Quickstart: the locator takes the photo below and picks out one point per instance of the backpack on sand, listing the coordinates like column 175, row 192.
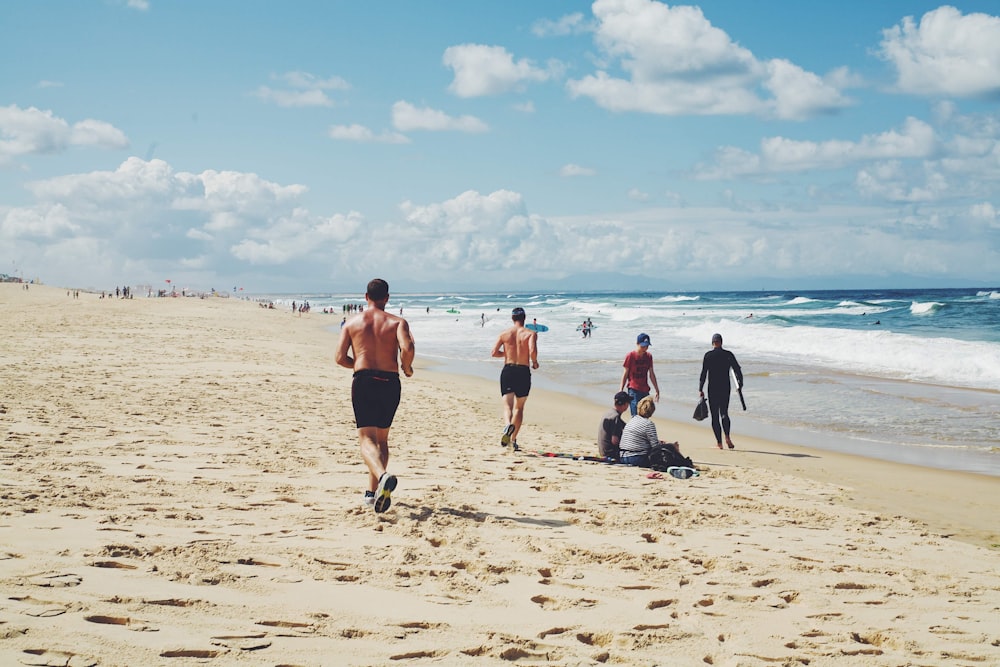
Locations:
column 662, row 457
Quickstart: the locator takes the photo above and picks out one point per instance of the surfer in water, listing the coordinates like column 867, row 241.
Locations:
column 518, row 347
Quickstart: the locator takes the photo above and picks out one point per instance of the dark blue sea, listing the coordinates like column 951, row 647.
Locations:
column 904, row 375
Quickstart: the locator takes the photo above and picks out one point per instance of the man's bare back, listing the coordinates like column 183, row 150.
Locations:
column 375, row 337
column 518, row 345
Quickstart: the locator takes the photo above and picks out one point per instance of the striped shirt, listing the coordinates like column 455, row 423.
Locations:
column 638, row 437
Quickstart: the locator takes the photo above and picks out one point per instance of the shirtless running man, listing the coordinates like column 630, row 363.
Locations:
column 375, row 337
column 517, row 346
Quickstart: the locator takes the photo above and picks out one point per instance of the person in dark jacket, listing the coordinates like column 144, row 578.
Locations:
column 715, row 368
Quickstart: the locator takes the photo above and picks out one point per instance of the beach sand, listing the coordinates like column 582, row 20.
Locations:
column 181, row 484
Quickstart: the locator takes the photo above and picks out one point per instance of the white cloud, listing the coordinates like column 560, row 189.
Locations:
column 144, row 221
column 571, row 170
column 917, row 139
column 33, row 131
column 302, row 90
column 947, row 53
column 677, row 62
column 986, row 212
column 524, row 107
column 44, row 83
column 293, row 98
column 635, row 194
column 488, row 70
column 307, row 81
column 406, row 118
column 570, row 24
column 362, row 134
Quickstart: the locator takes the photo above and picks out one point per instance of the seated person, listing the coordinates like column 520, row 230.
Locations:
column 639, row 436
column 609, row 433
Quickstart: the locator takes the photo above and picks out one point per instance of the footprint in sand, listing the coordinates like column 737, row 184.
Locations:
column 43, row 657
column 43, row 608
column 252, row 642
column 130, row 623
column 55, row 580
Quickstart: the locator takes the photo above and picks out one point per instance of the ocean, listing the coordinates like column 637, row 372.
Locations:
column 910, row 376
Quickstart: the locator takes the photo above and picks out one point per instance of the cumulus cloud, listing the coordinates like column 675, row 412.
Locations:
column 676, row 62
column 570, row 24
column 916, row 139
column 482, row 70
column 33, row 131
column 407, row 118
column 145, row 221
column 570, row 170
column 363, row 134
column 301, row 89
column 947, row 53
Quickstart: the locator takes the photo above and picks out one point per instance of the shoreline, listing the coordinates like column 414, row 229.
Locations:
column 182, row 480
column 951, row 503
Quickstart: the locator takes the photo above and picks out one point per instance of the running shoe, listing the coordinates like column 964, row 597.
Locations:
column 507, row 432
column 369, row 499
column 386, row 485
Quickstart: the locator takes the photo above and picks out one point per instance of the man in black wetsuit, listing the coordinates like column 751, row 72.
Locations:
column 715, row 367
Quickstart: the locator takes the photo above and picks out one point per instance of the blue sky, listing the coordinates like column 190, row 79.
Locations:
column 310, row 146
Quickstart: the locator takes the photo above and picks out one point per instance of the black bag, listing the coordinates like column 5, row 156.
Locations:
column 663, row 456
column 701, row 411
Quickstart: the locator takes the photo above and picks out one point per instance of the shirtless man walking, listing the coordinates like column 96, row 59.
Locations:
column 376, row 337
column 518, row 347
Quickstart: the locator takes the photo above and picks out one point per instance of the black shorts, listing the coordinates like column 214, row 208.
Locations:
column 375, row 395
column 515, row 379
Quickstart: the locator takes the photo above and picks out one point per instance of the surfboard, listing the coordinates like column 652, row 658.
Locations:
column 453, row 311
column 592, row 326
column 536, row 327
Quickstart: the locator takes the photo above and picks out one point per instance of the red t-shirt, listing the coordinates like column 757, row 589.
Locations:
column 638, row 370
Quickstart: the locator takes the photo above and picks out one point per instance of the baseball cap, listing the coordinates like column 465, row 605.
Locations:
column 716, row 338
column 643, row 339
column 622, row 398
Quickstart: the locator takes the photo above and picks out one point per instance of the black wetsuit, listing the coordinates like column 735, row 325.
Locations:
column 715, row 367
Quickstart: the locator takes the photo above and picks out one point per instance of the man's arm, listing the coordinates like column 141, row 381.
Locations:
column 737, row 370
column 407, row 349
column 498, row 347
column 652, row 381
column 342, row 357
column 704, row 374
column 533, row 349
column 624, row 381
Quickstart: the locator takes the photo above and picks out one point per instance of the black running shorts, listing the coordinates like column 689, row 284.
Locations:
column 375, row 395
column 515, row 379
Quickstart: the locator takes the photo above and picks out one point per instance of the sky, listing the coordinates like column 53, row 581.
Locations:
column 495, row 146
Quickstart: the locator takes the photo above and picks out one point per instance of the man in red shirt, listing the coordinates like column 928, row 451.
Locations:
column 638, row 373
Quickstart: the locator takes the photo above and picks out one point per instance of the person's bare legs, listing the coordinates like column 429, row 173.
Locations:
column 374, row 452
column 517, row 415
column 508, row 407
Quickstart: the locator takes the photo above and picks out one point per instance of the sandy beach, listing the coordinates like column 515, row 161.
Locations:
column 181, row 485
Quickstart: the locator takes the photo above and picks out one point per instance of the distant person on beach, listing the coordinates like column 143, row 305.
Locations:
column 376, row 337
column 715, row 367
column 639, row 436
column 609, row 433
column 638, row 373
column 517, row 346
